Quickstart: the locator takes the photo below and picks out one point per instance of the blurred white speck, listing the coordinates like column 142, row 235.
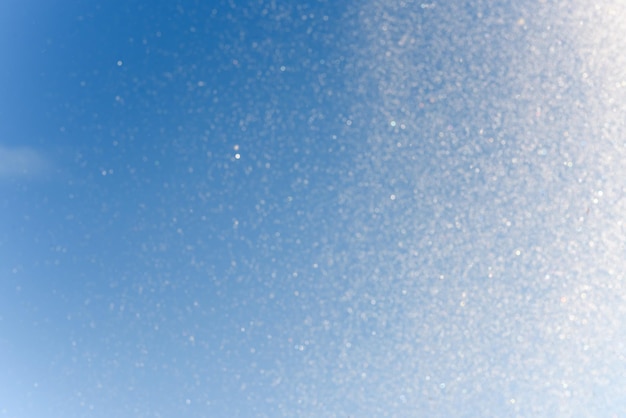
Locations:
column 120, row 63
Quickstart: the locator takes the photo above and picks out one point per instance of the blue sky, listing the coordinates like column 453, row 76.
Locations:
column 322, row 209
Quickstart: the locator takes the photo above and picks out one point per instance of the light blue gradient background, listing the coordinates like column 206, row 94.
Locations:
column 312, row 209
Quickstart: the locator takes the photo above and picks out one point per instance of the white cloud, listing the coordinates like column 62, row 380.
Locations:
column 21, row 162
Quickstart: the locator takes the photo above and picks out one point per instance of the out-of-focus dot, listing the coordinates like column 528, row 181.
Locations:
column 392, row 123
column 392, row 197
column 120, row 63
column 237, row 156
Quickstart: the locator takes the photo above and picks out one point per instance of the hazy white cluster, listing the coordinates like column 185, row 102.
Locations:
column 476, row 267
